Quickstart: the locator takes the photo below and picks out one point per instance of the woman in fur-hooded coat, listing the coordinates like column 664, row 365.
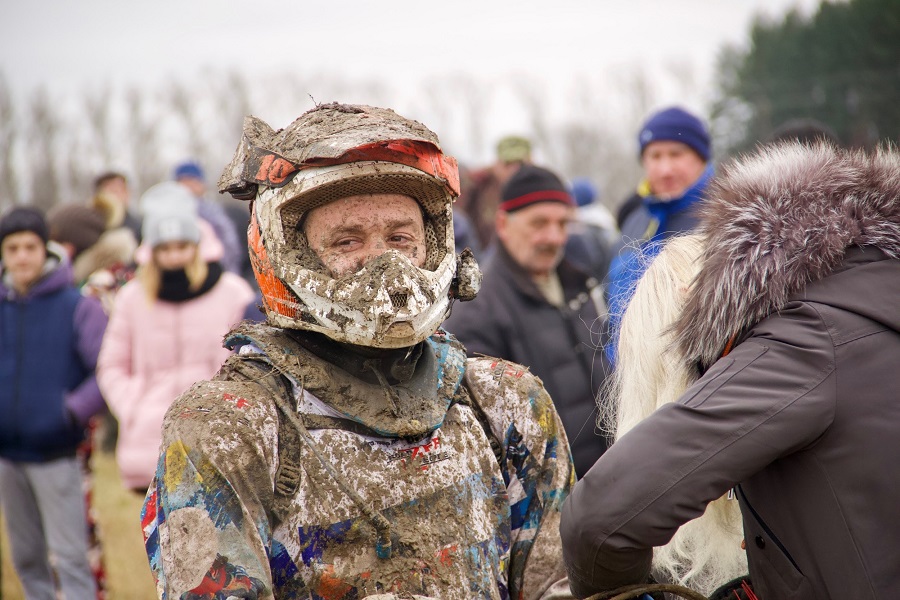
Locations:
column 794, row 324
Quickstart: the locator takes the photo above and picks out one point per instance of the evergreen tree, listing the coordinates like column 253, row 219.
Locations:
column 841, row 67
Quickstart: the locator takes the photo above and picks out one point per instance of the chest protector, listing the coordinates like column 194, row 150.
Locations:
column 341, row 441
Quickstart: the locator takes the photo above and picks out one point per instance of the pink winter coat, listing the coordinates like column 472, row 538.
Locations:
column 151, row 353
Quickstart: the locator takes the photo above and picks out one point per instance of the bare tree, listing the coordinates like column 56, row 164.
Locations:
column 533, row 96
column 580, row 131
column 233, row 104
column 44, row 150
column 9, row 189
column 144, row 142
column 98, row 106
column 184, row 101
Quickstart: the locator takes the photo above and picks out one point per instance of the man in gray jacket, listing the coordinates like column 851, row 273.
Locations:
column 794, row 324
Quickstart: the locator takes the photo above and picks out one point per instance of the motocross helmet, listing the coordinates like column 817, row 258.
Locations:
column 331, row 152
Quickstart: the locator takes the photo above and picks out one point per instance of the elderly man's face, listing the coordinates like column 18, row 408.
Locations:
column 671, row 168
column 347, row 233
column 535, row 236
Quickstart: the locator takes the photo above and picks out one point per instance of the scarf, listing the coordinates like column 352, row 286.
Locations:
column 175, row 287
column 662, row 210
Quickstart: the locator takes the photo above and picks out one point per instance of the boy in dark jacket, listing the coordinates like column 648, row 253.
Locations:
column 49, row 340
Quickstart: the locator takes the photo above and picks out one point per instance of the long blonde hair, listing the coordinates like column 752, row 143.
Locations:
column 705, row 552
column 150, row 275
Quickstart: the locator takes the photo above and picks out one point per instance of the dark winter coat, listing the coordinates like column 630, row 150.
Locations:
column 802, row 416
column 511, row 319
column 49, row 342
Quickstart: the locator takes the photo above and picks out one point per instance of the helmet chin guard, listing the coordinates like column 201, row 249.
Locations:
column 389, row 302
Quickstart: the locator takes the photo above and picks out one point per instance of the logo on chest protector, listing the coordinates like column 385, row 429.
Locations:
column 420, row 456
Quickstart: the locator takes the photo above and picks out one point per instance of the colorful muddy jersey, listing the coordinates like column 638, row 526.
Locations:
column 420, row 489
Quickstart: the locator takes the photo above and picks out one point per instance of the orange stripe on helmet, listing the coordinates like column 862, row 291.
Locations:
column 275, row 295
column 273, row 170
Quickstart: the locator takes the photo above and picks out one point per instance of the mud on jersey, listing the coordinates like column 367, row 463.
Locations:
column 462, row 524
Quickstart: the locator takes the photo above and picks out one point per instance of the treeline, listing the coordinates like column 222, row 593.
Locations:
column 841, row 66
column 51, row 148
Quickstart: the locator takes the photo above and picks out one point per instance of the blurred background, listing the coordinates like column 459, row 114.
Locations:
column 98, row 84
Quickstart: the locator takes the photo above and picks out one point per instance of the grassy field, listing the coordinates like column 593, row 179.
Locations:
column 118, row 513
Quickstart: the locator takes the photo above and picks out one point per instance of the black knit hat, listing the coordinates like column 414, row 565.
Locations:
column 531, row 184
column 23, row 218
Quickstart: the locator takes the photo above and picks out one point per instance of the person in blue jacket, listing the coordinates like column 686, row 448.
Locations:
column 675, row 153
column 49, row 341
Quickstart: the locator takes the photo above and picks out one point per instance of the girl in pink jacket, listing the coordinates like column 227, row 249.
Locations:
column 167, row 325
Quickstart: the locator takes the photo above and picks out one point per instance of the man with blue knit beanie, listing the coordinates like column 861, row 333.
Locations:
column 675, row 154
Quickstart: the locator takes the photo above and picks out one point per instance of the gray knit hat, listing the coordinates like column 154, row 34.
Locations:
column 170, row 214
column 161, row 228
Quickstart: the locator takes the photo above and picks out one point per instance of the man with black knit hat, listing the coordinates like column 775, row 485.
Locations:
column 538, row 310
column 49, row 341
column 675, row 153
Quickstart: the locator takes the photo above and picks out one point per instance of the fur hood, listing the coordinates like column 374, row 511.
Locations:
column 777, row 220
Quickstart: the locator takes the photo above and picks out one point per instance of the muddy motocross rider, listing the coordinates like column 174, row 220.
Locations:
column 349, row 449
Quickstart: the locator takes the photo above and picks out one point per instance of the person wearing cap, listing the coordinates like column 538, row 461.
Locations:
column 102, row 255
column 350, row 450
column 166, row 326
column 539, row 310
column 50, row 337
column 675, row 153
column 191, row 175
column 481, row 196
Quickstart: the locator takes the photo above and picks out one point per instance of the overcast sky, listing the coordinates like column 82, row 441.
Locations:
column 587, row 47
column 64, row 44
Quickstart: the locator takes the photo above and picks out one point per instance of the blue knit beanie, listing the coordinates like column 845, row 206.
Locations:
column 677, row 125
column 189, row 169
column 583, row 191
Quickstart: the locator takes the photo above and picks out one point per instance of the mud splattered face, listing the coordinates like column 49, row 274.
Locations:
column 536, row 235
column 347, row 233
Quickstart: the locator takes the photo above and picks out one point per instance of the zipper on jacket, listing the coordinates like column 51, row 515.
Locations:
column 769, row 532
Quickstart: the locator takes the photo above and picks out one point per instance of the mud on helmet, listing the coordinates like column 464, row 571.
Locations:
column 332, row 152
